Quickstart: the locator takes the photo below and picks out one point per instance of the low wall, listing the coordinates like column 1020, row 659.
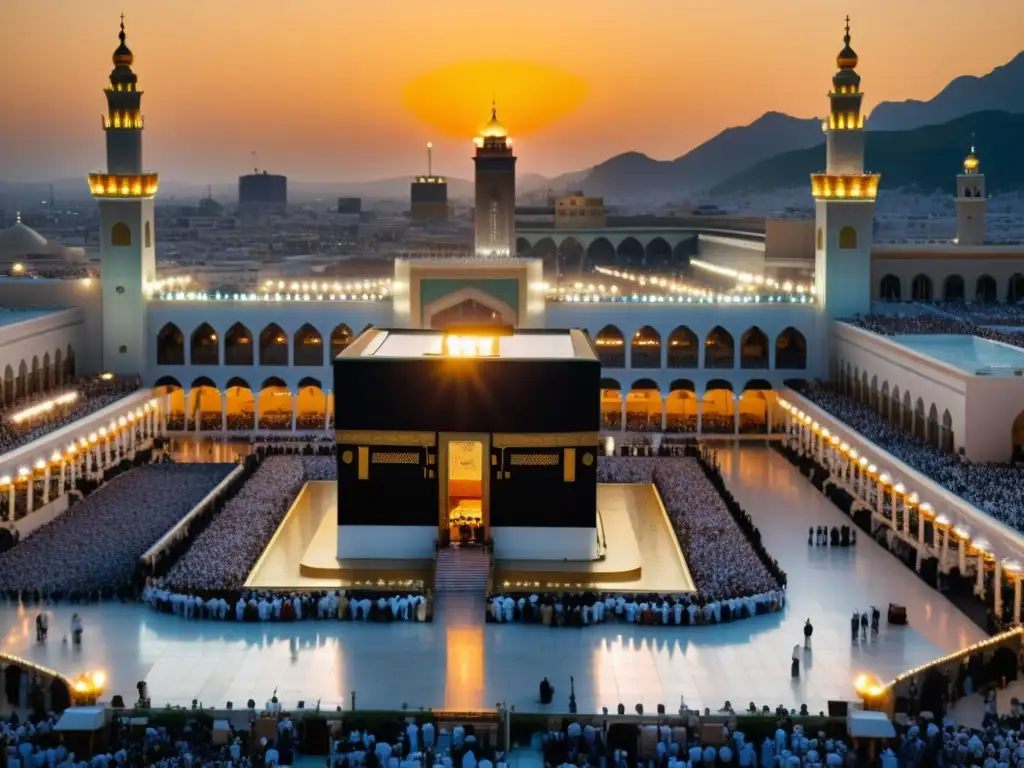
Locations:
column 32, row 522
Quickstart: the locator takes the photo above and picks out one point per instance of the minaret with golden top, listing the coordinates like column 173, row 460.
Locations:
column 970, row 202
column 495, row 182
column 124, row 193
column 844, row 198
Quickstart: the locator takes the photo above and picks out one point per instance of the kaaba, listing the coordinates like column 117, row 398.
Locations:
column 470, row 437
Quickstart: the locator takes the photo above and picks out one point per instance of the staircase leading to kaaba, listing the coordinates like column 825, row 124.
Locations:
column 463, row 570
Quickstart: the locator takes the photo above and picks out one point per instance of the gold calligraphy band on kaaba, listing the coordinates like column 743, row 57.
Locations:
column 548, row 440
column 378, row 437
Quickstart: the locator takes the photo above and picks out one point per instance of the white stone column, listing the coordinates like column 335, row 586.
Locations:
column 73, row 466
column 96, row 456
column 997, row 589
column 256, row 411
column 700, row 415
column 944, row 552
column 63, row 469
column 664, row 413
column 294, row 400
column 327, row 411
column 30, row 493
column 10, row 501
column 961, row 547
column 920, row 538
column 735, row 416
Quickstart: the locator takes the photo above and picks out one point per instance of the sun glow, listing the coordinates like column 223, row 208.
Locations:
column 456, row 99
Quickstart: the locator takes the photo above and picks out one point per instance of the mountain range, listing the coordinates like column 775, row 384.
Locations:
column 923, row 159
column 721, row 162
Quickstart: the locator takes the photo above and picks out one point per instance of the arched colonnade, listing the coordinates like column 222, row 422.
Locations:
column 900, row 407
column 719, row 409
column 40, row 374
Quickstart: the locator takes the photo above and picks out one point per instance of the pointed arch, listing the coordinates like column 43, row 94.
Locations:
column 238, row 346
column 468, row 305
column 610, row 346
column 600, row 253
column 643, row 407
column 629, row 253
column 308, row 347
column 70, row 369
column 790, row 350
column 58, row 367
column 932, row 431
column 611, row 404
column 275, row 403
column 645, row 348
column 683, row 348
column 35, row 378
column 718, row 408
column 47, row 373
column 310, row 405
column 985, row 290
column 890, row 289
column 681, row 407
column 273, row 345
column 921, row 288
column 847, row 238
column 1015, row 288
column 240, row 401
column 946, row 433
column 953, row 288
column 120, row 234
column 341, row 337
column 719, row 349
column 907, row 410
column 8, row 392
column 571, row 257
column 170, row 345
column 204, row 346
column 754, row 349
column 657, row 254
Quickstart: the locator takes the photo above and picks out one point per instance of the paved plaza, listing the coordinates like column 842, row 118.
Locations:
column 458, row 662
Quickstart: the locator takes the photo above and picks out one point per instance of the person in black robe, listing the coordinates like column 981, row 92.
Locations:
column 547, row 691
column 808, row 631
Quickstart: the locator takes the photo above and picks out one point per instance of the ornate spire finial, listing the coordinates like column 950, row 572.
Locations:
column 972, row 142
column 846, row 37
column 494, row 108
column 121, row 34
column 17, row 217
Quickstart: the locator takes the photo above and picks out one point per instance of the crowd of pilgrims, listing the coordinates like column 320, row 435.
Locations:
column 966, row 323
column 733, row 575
column 94, row 547
column 94, row 393
column 264, row 605
column 998, row 489
column 412, row 745
column 223, row 554
column 33, row 742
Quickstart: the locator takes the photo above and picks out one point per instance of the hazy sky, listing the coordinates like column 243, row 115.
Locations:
column 329, row 90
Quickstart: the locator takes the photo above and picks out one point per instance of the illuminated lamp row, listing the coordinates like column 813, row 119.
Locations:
column 121, row 185
column 862, row 186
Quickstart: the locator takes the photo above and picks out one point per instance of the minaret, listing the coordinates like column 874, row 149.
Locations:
column 844, row 199
column 125, row 196
column 970, row 203
column 495, row 191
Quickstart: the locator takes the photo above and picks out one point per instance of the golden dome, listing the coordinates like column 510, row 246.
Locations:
column 123, row 56
column 847, row 58
column 494, row 129
column 971, row 163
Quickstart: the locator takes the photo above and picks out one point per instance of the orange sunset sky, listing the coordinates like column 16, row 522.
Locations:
column 331, row 90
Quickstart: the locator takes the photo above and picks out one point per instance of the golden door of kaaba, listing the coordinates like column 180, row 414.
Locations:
column 464, row 486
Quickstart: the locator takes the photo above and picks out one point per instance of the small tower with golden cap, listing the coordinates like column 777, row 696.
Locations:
column 844, row 198
column 970, row 202
column 495, row 182
column 124, row 193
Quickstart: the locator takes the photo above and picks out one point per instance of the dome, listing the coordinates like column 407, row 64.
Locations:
column 847, row 58
column 971, row 163
column 21, row 240
column 494, row 129
column 123, row 56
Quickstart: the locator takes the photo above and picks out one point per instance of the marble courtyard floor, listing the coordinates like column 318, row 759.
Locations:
column 458, row 662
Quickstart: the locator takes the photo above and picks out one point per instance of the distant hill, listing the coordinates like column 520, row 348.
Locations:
column 1001, row 89
column 634, row 174
column 924, row 159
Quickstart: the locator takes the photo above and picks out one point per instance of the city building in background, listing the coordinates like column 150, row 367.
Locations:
column 262, row 193
column 495, row 196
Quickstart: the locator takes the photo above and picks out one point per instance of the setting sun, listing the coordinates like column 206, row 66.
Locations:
column 455, row 99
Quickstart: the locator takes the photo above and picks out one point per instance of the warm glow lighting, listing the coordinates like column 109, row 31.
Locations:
column 862, row 187
column 107, row 376
column 45, row 407
column 470, row 346
column 120, row 185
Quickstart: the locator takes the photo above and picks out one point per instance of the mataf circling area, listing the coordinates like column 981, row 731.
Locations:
column 458, row 662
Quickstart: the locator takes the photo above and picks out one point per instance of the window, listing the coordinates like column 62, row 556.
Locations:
column 821, row 238
column 847, row 238
column 120, row 234
column 148, row 238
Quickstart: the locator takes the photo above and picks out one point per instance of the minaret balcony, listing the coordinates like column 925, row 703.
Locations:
column 863, row 186
column 120, row 185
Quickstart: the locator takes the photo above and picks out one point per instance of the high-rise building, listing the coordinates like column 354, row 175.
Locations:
column 429, row 194
column 970, row 203
column 844, row 198
column 125, row 194
column 495, row 213
column 352, row 206
column 262, row 193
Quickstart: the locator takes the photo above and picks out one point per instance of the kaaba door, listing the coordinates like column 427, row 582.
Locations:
column 464, row 487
